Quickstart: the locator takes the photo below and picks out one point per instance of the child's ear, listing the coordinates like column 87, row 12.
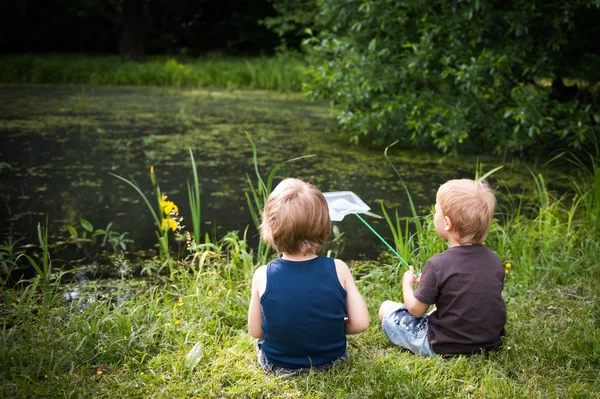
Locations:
column 448, row 226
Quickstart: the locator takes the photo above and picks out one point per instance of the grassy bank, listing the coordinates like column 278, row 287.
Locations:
column 281, row 73
column 131, row 338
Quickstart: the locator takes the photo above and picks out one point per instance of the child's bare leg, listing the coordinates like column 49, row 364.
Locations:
column 385, row 306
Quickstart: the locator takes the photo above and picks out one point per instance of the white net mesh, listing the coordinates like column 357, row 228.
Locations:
column 342, row 203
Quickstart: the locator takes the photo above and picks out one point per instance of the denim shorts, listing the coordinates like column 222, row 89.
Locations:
column 270, row 368
column 406, row 330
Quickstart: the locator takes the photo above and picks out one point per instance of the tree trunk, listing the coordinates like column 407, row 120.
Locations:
column 24, row 31
column 131, row 45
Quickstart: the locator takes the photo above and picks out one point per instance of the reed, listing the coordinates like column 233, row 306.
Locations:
column 280, row 73
column 194, row 199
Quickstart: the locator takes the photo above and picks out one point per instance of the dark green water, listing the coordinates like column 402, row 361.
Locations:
column 59, row 144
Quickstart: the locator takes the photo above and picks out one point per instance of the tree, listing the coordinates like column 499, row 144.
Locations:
column 131, row 45
column 509, row 76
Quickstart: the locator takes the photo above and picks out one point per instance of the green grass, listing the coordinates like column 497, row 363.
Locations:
column 129, row 337
column 281, row 73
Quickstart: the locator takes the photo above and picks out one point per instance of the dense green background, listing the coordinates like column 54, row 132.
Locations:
column 510, row 77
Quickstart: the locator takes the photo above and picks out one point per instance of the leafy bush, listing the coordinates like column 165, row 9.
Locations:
column 507, row 76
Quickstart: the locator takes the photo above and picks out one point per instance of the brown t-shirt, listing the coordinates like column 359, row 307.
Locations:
column 465, row 283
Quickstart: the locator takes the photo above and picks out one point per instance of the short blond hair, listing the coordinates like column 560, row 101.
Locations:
column 470, row 205
column 295, row 218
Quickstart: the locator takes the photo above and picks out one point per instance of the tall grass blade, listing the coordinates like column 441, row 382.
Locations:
column 194, row 199
column 416, row 219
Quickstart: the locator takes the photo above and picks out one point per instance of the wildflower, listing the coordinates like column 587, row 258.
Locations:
column 159, row 314
column 141, row 373
column 522, row 370
column 382, row 279
column 170, row 222
column 168, row 206
column 54, row 309
column 99, row 372
column 506, row 271
column 180, row 302
column 101, row 348
column 508, row 265
column 46, row 377
column 152, row 169
column 176, row 321
column 221, row 286
column 209, row 292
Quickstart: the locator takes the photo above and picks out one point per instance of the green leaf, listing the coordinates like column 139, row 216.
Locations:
column 72, row 231
column 86, row 225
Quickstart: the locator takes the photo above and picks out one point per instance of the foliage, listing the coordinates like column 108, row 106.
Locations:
column 8, row 256
column 508, row 77
column 143, row 337
column 194, row 198
column 168, row 211
column 293, row 20
column 281, row 73
column 146, row 333
column 115, row 239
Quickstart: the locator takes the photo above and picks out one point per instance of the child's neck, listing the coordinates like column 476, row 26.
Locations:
column 454, row 239
column 298, row 257
column 453, row 242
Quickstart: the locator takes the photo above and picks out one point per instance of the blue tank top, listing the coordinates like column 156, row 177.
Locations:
column 303, row 309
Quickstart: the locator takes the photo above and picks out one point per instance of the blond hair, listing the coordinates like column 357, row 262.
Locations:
column 470, row 205
column 295, row 218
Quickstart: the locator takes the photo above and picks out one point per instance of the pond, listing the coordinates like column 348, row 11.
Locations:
column 60, row 144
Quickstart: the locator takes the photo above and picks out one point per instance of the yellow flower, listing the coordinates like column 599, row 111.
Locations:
column 209, row 292
column 159, row 314
column 506, row 271
column 46, row 377
column 522, row 370
column 141, row 373
column 382, row 279
column 101, row 348
column 180, row 302
column 169, row 206
column 176, row 321
column 163, row 197
column 508, row 264
column 151, row 169
column 170, row 222
column 99, row 372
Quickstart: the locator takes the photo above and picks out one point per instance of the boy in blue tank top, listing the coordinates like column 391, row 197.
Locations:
column 302, row 305
column 464, row 282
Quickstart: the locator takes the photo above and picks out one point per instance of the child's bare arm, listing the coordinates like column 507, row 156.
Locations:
column 413, row 305
column 358, row 314
column 254, row 313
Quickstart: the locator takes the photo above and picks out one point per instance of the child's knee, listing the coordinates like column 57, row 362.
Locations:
column 385, row 306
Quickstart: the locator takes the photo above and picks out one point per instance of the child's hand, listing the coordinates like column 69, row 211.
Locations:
column 409, row 277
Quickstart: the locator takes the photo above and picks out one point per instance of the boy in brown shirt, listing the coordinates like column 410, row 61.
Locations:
column 464, row 282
